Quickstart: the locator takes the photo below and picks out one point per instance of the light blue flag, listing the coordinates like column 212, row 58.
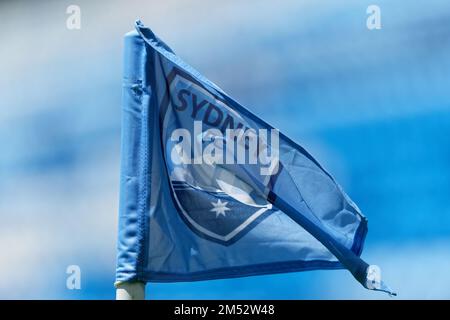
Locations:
column 209, row 190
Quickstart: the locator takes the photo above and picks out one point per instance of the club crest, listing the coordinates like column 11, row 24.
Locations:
column 210, row 158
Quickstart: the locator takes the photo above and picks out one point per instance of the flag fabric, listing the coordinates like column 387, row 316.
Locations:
column 208, row 190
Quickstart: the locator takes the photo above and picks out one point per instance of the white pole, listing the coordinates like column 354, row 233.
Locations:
column 130, row 291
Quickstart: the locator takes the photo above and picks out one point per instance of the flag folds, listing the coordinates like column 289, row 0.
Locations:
column 208, row 190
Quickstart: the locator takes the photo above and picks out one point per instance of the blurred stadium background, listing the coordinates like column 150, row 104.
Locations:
column 372, row 106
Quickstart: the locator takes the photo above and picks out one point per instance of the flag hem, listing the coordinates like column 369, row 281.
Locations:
column 255, row 269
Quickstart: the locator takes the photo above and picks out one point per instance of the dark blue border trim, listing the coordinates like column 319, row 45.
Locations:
column 258, row 269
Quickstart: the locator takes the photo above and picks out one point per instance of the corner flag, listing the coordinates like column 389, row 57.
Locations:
column 208, row 190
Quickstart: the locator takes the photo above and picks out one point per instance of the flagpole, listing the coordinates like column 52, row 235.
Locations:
column 130, row 291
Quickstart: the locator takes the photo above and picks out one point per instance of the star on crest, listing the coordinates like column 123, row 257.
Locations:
column 219, row 208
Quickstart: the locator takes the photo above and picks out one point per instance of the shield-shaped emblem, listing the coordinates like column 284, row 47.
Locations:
column 212, row 199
